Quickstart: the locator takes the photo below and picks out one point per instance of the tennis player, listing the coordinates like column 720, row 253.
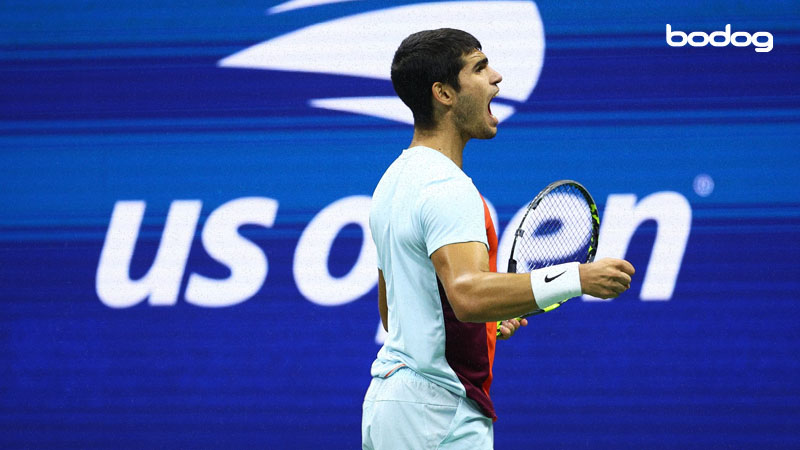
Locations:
column 439, row 294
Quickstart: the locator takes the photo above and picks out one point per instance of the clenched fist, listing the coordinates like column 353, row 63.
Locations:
column 606, row 278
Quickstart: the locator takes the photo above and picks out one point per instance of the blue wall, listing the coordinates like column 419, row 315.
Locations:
column 125, row 105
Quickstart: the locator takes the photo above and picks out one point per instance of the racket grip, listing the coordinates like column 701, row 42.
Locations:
column 500, row 322
column 540, row 311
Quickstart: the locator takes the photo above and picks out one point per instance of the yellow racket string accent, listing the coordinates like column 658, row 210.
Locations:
column 552, row 307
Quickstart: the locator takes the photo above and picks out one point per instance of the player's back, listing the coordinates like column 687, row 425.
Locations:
column 423, row 201
column 397, row 203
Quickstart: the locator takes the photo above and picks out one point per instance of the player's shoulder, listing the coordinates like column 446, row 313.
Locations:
column 422, row 173
column 431, row 167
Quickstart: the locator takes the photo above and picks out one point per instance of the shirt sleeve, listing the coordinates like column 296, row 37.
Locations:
column 451, row 212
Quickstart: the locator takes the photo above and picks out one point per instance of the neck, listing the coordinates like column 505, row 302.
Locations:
column 443, row 140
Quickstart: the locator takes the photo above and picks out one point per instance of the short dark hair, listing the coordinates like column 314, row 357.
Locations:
column 424, row 58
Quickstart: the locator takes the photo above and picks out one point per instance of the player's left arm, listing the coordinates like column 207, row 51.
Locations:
column 383, row 308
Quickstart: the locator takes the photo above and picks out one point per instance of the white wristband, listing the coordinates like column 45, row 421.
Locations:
column 555, row 284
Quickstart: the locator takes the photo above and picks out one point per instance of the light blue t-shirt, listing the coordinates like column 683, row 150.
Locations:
column 423, row 202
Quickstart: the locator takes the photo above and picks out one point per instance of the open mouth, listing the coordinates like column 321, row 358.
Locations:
column 489, row 109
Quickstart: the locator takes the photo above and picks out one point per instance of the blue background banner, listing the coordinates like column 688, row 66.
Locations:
column 185, row 186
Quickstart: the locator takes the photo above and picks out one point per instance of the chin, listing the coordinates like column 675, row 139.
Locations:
column 488, row 133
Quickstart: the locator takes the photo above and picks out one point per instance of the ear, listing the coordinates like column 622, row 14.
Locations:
column 443, row 93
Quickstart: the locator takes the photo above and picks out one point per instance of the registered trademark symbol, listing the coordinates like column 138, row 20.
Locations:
column 703, row 185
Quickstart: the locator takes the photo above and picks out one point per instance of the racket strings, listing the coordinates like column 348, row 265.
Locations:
column 558, row 230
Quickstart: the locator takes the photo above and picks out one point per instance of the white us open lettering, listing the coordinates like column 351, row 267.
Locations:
column 248, row 263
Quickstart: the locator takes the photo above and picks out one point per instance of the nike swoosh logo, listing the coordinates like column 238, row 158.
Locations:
column 548, row 279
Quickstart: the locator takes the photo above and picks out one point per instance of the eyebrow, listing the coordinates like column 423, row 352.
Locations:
column 483, row 62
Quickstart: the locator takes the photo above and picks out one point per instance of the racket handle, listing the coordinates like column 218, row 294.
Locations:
column 540, row 311
column 499, row 322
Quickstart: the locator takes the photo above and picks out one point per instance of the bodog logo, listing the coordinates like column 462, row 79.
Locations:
column 737, row 39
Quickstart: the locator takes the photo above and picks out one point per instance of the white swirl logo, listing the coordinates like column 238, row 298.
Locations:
column 362, row 45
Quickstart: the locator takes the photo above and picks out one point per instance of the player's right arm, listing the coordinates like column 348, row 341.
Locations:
column 477, row 294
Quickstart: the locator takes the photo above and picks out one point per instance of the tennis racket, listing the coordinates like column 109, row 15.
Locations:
column 561, row 225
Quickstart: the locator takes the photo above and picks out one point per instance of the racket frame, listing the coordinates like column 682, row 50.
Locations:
column 512, row 263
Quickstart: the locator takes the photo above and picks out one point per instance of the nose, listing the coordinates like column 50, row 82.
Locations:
column 496, row 77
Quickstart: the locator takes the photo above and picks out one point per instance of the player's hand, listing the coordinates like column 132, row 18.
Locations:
column 508, row 327
column 606, row 278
